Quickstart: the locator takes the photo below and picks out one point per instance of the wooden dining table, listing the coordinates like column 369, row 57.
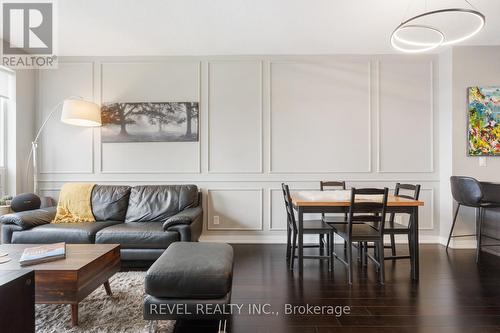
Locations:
column 338, row 201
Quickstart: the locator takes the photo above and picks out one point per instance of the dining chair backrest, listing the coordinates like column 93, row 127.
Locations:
column 331, row 185
column 370, row 208
column 290, row 216
column 410, row 192
column 466, row 191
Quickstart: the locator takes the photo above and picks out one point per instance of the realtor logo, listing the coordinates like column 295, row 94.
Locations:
column 28, row 31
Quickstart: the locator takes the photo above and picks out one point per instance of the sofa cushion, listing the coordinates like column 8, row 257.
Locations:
column 156, row 203
column 190, row 270
column 74, row 233
column 137, row 235
column 109, row 203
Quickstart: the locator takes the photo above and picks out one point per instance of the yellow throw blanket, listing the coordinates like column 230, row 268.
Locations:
column 75, row 204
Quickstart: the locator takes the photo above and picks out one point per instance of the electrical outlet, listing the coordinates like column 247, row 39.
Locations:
column 482, row 161
column 216, row 219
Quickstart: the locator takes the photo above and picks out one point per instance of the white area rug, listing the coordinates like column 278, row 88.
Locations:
column 121, row 312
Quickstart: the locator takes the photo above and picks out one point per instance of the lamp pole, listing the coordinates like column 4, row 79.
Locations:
column 34, row 147
column 76, row 111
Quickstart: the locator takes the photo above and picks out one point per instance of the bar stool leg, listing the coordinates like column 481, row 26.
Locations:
column 478, row 234
column 452, row 227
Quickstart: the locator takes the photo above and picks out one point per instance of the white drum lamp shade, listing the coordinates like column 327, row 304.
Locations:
column 81, row 113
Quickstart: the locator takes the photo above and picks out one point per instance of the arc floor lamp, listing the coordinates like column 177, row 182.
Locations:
column 75, row 111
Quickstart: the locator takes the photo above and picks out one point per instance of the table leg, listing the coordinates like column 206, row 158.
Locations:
column 74, row 314
column 301, row 240
column 108, row 288
column 415, row 266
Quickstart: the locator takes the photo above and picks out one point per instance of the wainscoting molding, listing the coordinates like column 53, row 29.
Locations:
column 211, row 74
column 242, row 211
column 250, row 183
column 198, row 97
column 320, row 169
column 432, row 103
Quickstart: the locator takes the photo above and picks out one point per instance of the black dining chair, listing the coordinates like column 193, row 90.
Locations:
column 316, row 227
column 392, row 228
column 331, row 186
column 365, row 223
column 468, row 192
column 332, row 219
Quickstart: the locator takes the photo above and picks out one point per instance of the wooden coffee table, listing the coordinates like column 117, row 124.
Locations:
column 69, row 280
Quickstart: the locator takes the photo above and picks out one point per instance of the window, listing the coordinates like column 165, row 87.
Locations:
column 6, row 87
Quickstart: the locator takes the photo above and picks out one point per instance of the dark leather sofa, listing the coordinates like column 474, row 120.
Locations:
column 144, row 220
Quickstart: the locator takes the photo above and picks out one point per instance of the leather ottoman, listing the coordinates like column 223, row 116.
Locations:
column 190, row 281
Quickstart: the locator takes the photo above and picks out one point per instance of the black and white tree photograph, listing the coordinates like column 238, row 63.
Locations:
column 150, row 122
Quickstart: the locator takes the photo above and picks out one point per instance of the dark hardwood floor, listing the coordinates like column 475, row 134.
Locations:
column 453, row 294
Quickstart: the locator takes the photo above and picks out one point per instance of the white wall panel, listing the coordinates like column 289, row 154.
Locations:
column 277, row 215
column 405, row 117
column 320, row 117
column 175, row 81
column 65, row 148
column 427, row 212
column 171, row 81
column 237, row 209
column 150, row 157
column 235, row 117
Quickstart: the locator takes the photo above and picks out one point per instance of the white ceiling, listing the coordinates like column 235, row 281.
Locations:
column 229, row 27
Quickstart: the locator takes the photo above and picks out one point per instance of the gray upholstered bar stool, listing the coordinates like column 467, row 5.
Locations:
column 468, row 192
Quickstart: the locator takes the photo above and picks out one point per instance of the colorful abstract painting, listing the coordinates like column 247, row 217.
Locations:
column 484, row 121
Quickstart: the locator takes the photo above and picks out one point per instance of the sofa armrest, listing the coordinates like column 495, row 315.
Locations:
column 188, row 232
column 30, row 218
column 7, row 232
column 185, row 217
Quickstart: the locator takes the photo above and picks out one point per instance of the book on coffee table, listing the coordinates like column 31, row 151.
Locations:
column 44, row 253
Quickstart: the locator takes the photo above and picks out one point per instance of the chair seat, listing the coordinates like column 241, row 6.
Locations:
column 398, row 228
column 360, row 231
column 334, row 219
column 314, row 226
